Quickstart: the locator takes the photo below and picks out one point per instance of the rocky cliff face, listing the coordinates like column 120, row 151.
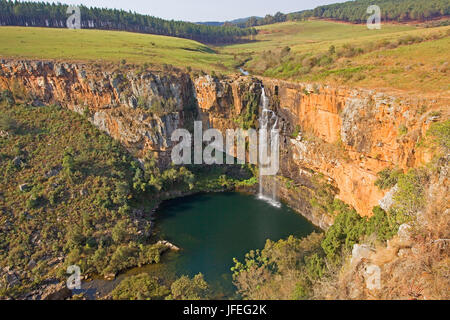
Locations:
column 118, row 102
column 333, row 136
column 350, row 135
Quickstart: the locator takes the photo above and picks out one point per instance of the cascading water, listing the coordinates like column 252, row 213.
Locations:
column 268, row 119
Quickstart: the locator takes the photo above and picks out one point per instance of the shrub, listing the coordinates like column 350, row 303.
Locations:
column 119, row 232
column 402, row 130
column 7, row 123
column 441, row 131
column 388, row 178
column 383, row 225
column 99, row 260
column 7, row 97
column 300, row 292
column 189, row 289
column 34, row 201
column 346, row 231
column 315, row 266
column 140, row 287
column 410, row 196
column 68, row 162
column 332, row 50
column 296, row 132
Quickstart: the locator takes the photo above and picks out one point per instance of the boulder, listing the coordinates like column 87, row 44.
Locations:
column 12, row 279
column 110, row 276
column 56, row 292
column 169, row 245
column 24, row 187
column 53, row 172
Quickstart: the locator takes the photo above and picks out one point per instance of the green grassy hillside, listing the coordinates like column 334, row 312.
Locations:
column 65, row 198
column 108, row 46
column 397, row 56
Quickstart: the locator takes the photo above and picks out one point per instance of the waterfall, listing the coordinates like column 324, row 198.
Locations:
column 267, row 184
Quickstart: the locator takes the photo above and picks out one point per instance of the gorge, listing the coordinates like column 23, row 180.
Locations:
column 345, row 136
column 333, row 141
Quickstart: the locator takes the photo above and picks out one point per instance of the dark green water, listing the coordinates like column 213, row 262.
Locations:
column 212, row 229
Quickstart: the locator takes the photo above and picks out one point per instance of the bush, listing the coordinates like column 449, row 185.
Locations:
column 388, row 178
column 441, row 131
column 68, row 162
column 140, row 287
column 34, row 201
column 296, row 132
column 7, row 123
column 383, row 225
column 402, row 130
column 189, row 289
column 119, row 232
column 264, row 272
column 315, row 266
column 410, row 196
column 7, row 98
column 346, row 231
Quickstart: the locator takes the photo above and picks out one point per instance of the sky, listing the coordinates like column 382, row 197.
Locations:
column 203, row 10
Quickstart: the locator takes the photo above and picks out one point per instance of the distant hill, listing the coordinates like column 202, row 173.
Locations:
column 211, row 23
column 232, row 22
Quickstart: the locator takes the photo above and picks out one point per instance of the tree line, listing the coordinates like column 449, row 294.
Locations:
column 356, row 12
column 42, row 14
column 391, row 10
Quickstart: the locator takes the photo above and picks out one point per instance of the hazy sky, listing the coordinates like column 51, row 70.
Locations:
column 204, row 10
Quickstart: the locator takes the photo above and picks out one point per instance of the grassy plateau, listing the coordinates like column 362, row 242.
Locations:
column 398, row 56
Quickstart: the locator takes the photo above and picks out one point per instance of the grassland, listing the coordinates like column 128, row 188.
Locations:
column 311, row 35
column 109, row 46
column 404, row 57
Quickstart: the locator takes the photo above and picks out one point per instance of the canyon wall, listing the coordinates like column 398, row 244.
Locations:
column 116, row 101
column 350, row 135
column 335, row 136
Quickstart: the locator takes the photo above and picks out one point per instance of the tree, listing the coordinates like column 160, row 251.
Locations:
column 189, row 289
column 140, row 287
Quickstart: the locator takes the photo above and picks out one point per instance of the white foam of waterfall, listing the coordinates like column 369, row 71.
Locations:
column 267, row 184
